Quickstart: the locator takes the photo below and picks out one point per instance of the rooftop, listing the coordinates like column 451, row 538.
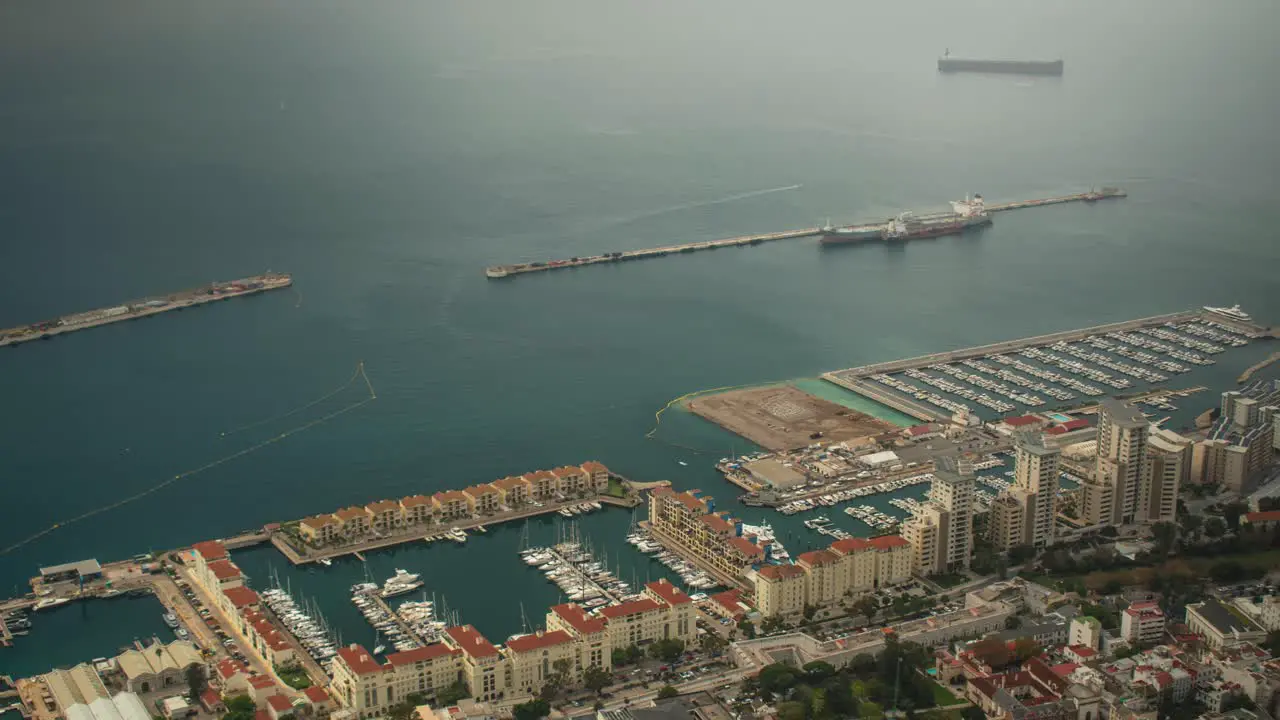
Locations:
column 351, row 513
column 470, row 641
column 224, row 569
column 848, row 546
column 80, row 567
column 818, row 557
column 1222, row 619
column 1022, row 421
column 383, row 506
column 319, row 521
column 888, row 542
column 746, row 547
column 633, row 607
column 669, row 593
column 1264, row 516
column 210, row 550
column 780, row 572
column 359, row 660
column 415, row 500
column 578, row 619
column 592, row 466
column 241, row 596
column 478, row 491
column 316, row 694
column 422, row 654
column 279, row 703
column 1122, row 415
column 567, row 471
column 538, row 641
column 717, row 523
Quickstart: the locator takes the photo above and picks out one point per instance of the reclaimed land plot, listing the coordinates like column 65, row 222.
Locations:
column 781, row 417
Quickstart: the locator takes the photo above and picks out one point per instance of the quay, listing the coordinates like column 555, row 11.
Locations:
column 145, row 307
column 495, row 272
column 583, row 580
column 405, row 627
column 1257, row 367
column 669, row 543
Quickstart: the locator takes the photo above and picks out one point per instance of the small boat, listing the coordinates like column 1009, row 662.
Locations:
column 683, row 463
column 326, row 562
column 171, row 620
column 379, row 650
column 50, row 602
column 182, row 633
column 457, row 535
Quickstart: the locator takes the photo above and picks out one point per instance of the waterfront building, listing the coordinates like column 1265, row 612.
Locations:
column 233, row 676
column 264, row 638
column 212, row 568
column 417, row 510
column 823, row 578
column 686, row 523
column 368, row 688
column 681, row 617
column 1220, row 625
column 483, row 499
column 355, row 521
column 1142, row 622
column 482, row 667
column 320, row 529
column 1027, row 512
column 533, row 658
column 572, row 481
column 1241, row 444
column 158, row 666
column 235, row 600
column 513, row 491
column 941, row 531
column 1168, row 470
column 543, row 483
column 385, row 516
column 598, row 475
column 80, row 685
column 453, row 504
column 1113, row 496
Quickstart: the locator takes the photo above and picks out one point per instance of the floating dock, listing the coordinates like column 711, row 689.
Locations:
column 145, row 307
column 495, row 272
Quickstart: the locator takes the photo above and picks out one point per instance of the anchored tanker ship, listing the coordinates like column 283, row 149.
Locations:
column 971, row 213
column 947, row 63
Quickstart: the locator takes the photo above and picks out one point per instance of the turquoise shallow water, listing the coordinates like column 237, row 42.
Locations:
column 385, row 155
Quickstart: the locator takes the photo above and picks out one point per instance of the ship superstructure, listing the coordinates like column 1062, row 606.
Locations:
column 965, row 214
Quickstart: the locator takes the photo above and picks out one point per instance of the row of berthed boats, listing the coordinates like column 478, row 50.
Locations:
column 405, row 628
column 842, row 496
column 1149, row 354
column 869, row 515
column 580, row 509
column 690, row 574
column 311, row 632
column 577, row 573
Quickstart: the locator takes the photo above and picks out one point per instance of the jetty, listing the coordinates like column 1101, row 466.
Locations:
column 145, row 307
column 495, row 272
column 1256, row 367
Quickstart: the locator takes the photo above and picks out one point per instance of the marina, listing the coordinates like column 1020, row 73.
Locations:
column 495, row 272
column 145, row 307
column 1105, row 359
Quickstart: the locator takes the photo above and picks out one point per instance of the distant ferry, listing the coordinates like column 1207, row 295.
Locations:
column 946, row 63
column 1234, row 312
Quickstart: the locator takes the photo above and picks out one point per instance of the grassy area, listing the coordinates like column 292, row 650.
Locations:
column 295, row 678
column 948, row 580
column 615, row 488
column 1186, row 567
column 943, row 696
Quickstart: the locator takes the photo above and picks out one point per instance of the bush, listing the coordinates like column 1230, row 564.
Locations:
column 667, row 692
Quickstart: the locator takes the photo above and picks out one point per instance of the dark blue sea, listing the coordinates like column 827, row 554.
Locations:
column 385, row 153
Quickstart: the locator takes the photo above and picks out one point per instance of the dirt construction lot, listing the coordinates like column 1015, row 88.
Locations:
column 782, row 417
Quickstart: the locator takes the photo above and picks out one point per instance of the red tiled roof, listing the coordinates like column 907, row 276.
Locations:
column 888, row 542
column 746, row 547
column 1056, row 430
column 261, row 682
column 848, row 546
column 1083, row 651
column 448, row 495
column 229, row 667
column 1064, row 669
column 351, row 513
column 224, row 569
column 567, row 471
column 470, row 641
column 730, row 600
column 415, row 500
column 578, row 618
column 241, row 596
column 279, row 703
column 592, row 466
column 478, row 491
column 662, row 490
column 540, row 474
column 359, row 660
column 316, row 694
column 634, row 607
column 1148, row 608
column 780, row 572
column 508, row 483
column 382, row 506
column 262, row 715
column 319, row 521
column 209, row 698
column 716, row 523
column 669, row 593
column 1022, row 420
column 691, row 501
column 210, row 550
column 537, row 641
column 422, row 654
column 1264, row 516
column 917, row 430
column 1076, row 424
column 818, row 557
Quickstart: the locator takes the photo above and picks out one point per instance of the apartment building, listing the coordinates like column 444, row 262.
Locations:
column 941, row 532
column 369, row 688
column 1142, row 622
column 1168, row 469
column 687, row 523
column 823, row 578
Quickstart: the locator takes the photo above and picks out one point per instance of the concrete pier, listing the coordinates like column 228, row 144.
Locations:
column 495, row 272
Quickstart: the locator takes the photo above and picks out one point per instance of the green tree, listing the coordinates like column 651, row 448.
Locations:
column 838, row 694
column 668, row 650
column 532, row 710
column 1190, row 524
column 792, row 711
column 817, row 671
column 972, row 712
column 772, row 624
column 712, row 643
column 1025, row 648
column 871, row 710
column 619, row 657
column 1165, row 535
column 867, row 606
column 596, row 678
column 748, row 629
column 1215, row 528
column 452, row 694
column 240, row 707
column 196, row 682
column 1231, row 513
column 667, row 691
column 1012, row 622
column 776, row 678
column 402, row 711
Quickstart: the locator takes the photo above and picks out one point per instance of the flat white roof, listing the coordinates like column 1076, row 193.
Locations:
column 880, row 458
column 84, row 567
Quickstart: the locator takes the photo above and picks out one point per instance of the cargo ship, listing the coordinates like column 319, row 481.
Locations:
column 965, row 215
column 946, row 63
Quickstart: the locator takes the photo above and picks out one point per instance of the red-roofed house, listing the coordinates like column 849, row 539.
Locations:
column 320, row 529
column 636, row 622
column 278, row 706
column 417, row 509
column 822, row 582
column 542, row 484
column 681, row 617
column 210, row 550
column 780, row 590
column 453, row 504
column 1064, row 670
column 716, row 524
column 483, row 498
column 318, row 698
column 233, row 677
column 217, row 576
column 210, row 701
column 1142, row 622
column 1010, row 425
column 598, row 473
column 262, row 687
column 571, row 480
column 1076, row 424
column 514, row 491
column 729, row 604
column 355, row 521
column 1080, row 654
column 235, row 599
column 571, row 618
column 385, row 516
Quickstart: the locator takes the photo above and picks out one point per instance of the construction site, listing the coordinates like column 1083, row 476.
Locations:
column 781, row 417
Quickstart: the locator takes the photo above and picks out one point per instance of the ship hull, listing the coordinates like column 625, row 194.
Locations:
column 852, row 238
column 940, row 230
column 1011, row 67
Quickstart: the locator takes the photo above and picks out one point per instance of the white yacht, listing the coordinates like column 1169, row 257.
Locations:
column 457, row 535
column 1234, row 312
